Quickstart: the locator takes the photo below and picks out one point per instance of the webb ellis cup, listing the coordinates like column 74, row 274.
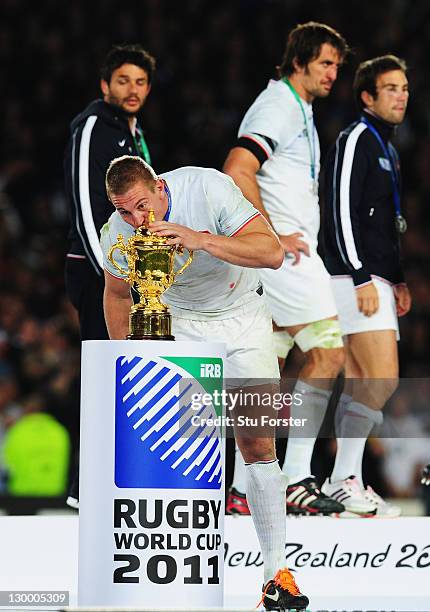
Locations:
column 150, row 271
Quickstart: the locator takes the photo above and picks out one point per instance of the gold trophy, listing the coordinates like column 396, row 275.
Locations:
column 150, row 270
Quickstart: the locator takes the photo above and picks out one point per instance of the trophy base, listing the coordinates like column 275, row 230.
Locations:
column 137, row 337
column 154, row 326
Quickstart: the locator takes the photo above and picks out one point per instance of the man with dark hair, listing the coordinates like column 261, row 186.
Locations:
column 365, row 79
column 304, row 45
column 276, row 164
column 106, row 129
column 128, row 54
column 219, row 299
column 362, row 225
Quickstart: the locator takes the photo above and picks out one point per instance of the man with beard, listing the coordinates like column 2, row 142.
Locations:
column 362, row 228
column 106, row 129
column 275, row 162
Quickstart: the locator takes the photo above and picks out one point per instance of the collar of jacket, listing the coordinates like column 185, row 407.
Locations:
column 385, row 129
column 108, row 112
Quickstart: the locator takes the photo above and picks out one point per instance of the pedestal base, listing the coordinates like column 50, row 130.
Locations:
column 151, row 507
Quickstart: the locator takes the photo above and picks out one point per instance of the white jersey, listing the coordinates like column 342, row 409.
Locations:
column 206, row 201
column 285, row 179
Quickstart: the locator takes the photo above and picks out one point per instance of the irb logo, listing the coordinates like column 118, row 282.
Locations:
column 210, row 370
column 153, row 428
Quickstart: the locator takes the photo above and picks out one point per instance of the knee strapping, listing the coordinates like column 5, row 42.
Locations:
column 320, row 334
column 283, row 343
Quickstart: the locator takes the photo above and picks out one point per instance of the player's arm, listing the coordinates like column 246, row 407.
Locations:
column 86, row 171
column 242, row 164
column 116, row 303
column 253, row 246
column 346, row 176
column 402, row 294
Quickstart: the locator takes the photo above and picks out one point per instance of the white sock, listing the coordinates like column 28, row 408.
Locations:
column 341, row 407
column 239, row 475
column 265, row 491
column 301, row 441
column 355, row 427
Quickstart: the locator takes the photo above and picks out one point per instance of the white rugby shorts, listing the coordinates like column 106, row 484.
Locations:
column 251, row 353
column 351, row 320
column 299, row 294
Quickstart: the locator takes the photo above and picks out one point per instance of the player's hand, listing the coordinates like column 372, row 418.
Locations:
column 294, row 245
column 367, row 299
column 178, row 235
column 403, row 299
column 425, row 476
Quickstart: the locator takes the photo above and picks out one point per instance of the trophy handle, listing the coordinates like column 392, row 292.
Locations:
column 187, row 263
column 122, row 247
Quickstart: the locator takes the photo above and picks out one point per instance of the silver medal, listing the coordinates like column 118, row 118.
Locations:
column 401, row 224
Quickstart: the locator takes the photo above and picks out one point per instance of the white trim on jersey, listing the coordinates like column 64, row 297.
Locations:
column 245, row 223
column 344, row 195
column 123, row 278
column 84, row 189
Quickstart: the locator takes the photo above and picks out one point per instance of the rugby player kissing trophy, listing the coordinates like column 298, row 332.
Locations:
column 150, row 271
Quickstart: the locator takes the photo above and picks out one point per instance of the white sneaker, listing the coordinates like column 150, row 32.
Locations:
column 349, row 493
column 72, row 502
column 383, row 508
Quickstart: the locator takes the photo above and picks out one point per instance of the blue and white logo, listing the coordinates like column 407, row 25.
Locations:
column 385, row 164
column 156, row 444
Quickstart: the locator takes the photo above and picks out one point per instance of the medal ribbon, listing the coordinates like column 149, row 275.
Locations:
column 395, row 179
column 141, row 146
column 308, row 136
column 169, row 200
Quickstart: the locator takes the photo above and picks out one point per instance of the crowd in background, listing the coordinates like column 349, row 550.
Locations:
column 213, row 59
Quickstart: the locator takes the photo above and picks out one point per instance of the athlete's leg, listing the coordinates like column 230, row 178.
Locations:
column 376, row 355
column 321, row 342
column 372, row 367
column 372, row 374
column 265, row 482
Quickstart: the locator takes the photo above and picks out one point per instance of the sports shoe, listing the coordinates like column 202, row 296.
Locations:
column 425, row 476
column 349, row 493
column 306, row 498
column 282, row 593
column 236, row 503
column 72, row 502
column 73, row 498
column 383, row 508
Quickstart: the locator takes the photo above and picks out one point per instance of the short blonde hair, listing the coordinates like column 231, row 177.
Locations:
column 125, row 171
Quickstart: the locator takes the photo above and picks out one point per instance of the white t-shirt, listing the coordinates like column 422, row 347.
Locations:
column 206, row 201
column 285, row 179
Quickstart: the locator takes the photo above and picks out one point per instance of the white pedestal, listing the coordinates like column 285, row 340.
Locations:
column 151, row 522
